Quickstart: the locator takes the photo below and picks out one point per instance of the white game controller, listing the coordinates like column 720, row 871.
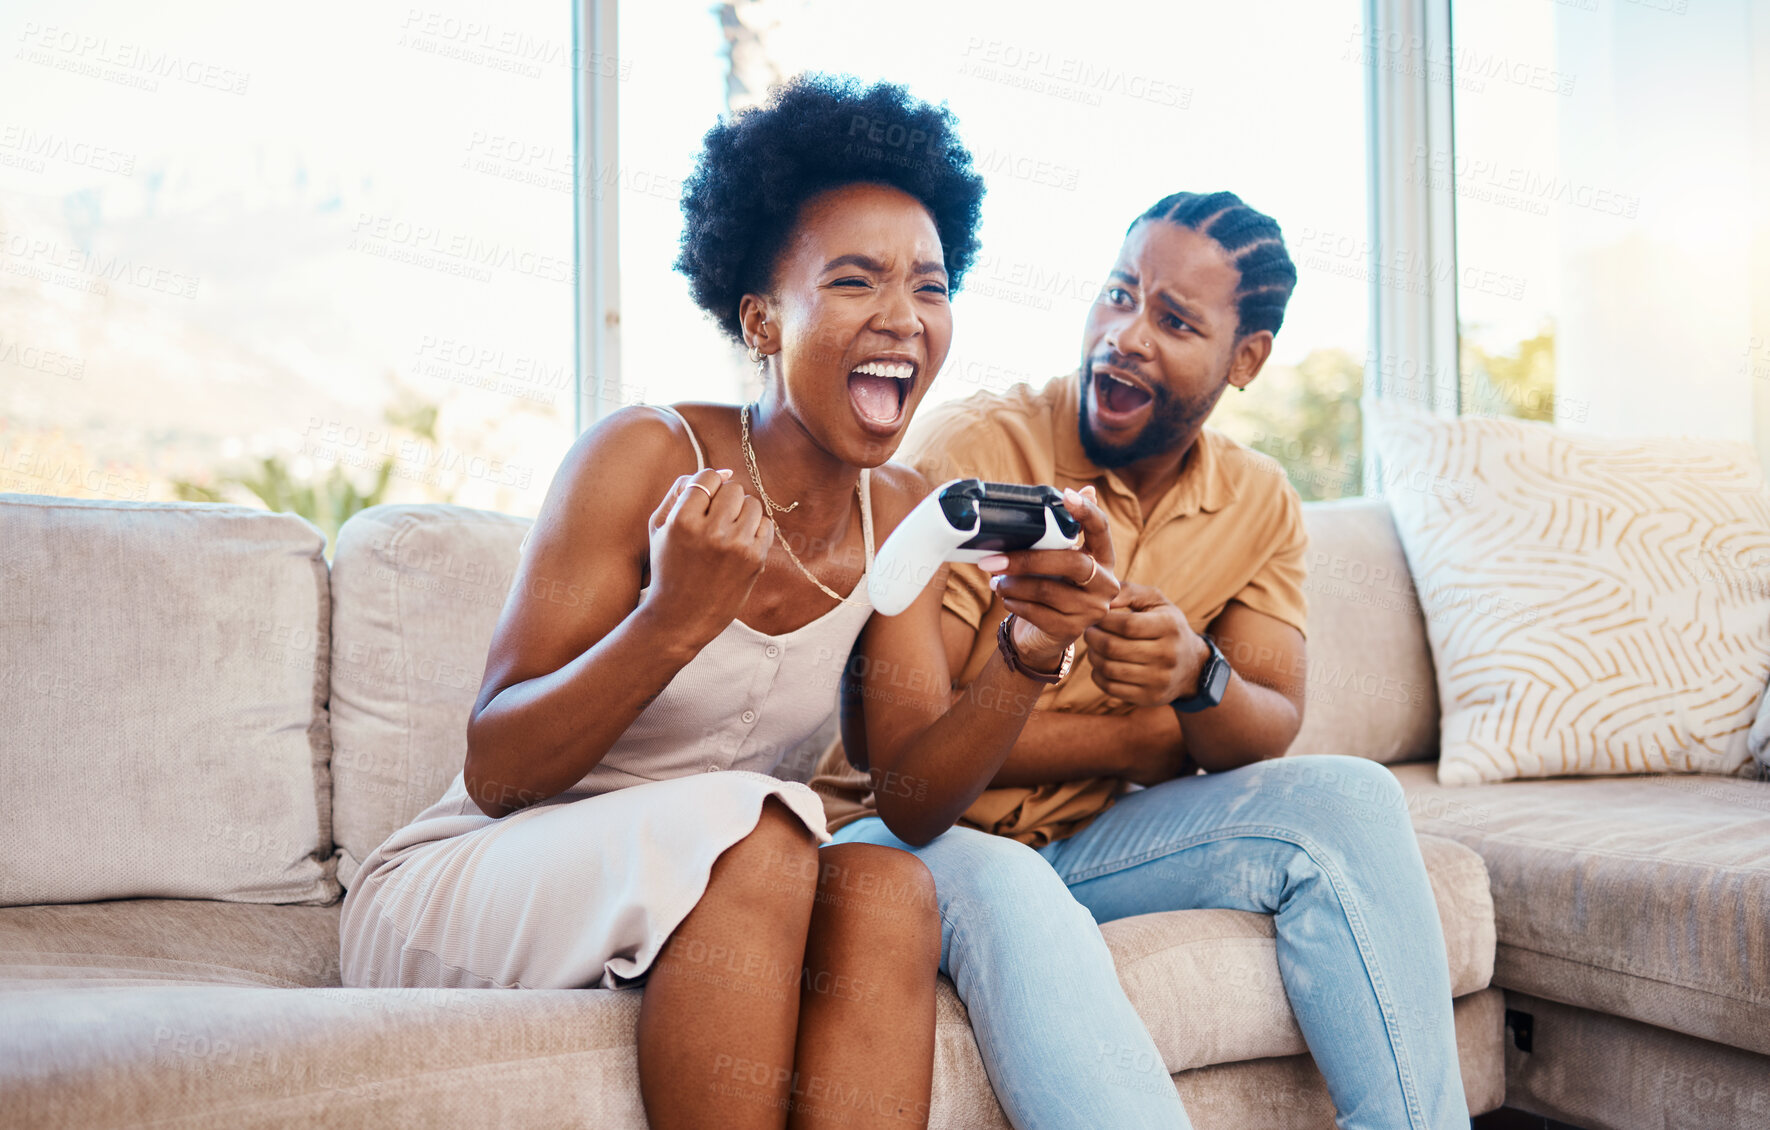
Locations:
column 966, row 520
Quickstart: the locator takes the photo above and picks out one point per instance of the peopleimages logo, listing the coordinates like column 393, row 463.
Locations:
column 1501, row 182
column 502, row 47
column 49, row 255
column 46, row 361
column 38, row 146
column 131, row 63
column 429, row 245
column 1440, row 62
column 1069, row 77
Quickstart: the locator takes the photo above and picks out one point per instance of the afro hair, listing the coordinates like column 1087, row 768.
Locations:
column 816, row 132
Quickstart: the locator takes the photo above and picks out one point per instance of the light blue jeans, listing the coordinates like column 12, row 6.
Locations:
column 1321, row 843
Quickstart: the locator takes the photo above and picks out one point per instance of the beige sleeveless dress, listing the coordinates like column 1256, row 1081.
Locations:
column 584, row 889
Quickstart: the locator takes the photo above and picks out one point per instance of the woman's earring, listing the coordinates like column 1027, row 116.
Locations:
column 756, row 349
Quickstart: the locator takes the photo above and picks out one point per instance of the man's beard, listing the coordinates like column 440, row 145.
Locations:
column 1171, row 420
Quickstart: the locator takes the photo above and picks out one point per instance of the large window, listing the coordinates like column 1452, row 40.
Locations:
column 308, row 257
column 331, row 259
column 1604, row 174
column 1078, row 124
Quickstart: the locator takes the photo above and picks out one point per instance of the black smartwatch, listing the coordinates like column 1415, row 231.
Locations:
column 1212, row 682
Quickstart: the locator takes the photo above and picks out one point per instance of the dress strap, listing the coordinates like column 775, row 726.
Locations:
column 700, row 460
column 866, row 483
column 866, row 513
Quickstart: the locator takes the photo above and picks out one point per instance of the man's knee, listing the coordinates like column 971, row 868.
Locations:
column 1339, row 774
column 1002, row 883
column 1335, row 799
column 1370, row 782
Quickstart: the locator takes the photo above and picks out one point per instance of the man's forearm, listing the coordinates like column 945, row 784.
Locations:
column 1060, row 746
column 1151, row 744
column 1251, row 724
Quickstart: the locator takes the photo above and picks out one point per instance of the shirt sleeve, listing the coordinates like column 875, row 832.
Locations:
column 1277, row 589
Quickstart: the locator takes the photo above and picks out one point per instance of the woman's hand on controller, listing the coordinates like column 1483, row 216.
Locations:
column 1057, row 594
column 709, row 543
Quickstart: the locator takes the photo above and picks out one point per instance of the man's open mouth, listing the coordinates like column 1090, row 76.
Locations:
column 1117, row 395
column 879, row 390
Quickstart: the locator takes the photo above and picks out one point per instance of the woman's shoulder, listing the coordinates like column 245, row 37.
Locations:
column 631, row 456
column 650, row 433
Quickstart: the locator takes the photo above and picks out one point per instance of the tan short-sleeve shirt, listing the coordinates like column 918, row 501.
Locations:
column 1229, row 528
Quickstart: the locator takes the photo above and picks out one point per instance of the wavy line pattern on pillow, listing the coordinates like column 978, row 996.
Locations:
column 1594, row 605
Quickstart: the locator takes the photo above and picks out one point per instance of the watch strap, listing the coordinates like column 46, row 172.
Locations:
column 1011, row 655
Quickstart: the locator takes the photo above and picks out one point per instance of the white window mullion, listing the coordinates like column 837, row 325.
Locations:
column 595, row 183
column 1413, row 277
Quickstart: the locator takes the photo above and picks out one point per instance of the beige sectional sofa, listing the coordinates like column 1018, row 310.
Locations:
column 205, row 729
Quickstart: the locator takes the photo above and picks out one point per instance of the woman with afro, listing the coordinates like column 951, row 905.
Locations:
column 615, row 820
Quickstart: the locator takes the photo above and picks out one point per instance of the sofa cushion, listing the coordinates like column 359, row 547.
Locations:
column 1289, row 1093
column 1207, row 982
column 162, row 701
column 236, row 1058
column 416, row 591
column 1370, row 690
column 1595, row 605
column 230, row 1057
column 164, row 941
column 1647, row 897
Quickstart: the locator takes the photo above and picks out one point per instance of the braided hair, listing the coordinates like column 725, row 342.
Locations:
column 1254, row 244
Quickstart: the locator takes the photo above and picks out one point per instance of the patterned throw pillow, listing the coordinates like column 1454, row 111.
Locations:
column 1594, row 606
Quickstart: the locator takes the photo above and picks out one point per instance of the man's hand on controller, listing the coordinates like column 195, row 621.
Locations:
column 1057, row 594
column 1143, row 651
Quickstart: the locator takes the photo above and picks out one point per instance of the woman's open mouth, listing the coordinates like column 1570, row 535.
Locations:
column 1118, row 401
column 878, row 390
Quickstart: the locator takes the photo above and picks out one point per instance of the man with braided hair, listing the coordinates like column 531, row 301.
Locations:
column 1153, row 777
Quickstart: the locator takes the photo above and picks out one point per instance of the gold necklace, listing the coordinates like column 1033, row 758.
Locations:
column 772, row 506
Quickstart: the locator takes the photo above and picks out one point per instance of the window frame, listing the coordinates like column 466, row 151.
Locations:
column 1410, row 113
column 1406, row 112
column 596, row 215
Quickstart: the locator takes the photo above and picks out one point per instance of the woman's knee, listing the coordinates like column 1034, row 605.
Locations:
column 886, row 893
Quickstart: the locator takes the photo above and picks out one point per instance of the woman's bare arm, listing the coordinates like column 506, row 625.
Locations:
column 930, row 751
column 576, row 656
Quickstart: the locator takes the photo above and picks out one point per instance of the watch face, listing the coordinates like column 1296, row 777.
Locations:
column 1213, row 681
column 1218, row 681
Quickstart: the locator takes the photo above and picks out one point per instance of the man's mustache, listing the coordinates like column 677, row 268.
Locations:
column 1119, row 361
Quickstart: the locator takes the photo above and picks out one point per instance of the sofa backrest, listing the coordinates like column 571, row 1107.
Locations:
column 163, row 680
column 1371, row 689
column 417, row 591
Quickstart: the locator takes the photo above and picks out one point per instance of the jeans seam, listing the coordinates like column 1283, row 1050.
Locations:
column 1409, row 1085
